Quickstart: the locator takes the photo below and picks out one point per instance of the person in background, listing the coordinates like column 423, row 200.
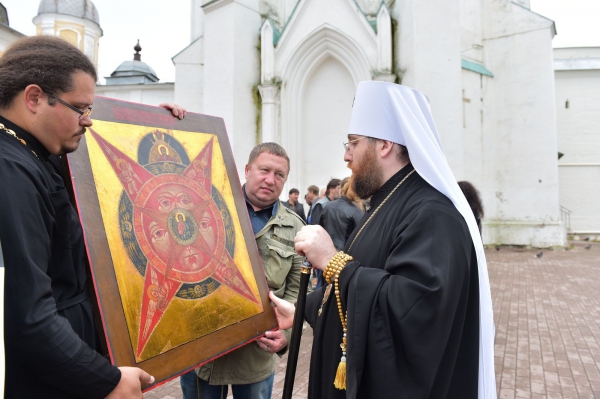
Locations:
column 293, row 204
column 332, row 192
column 311, row 197
column 322, row 193
column 472, row 196
column 342, row 215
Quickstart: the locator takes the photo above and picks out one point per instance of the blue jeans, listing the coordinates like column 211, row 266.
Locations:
column 196, row 388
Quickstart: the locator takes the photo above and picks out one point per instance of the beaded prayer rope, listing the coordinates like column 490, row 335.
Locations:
column 335, row 265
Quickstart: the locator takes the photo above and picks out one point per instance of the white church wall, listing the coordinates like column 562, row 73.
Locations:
column 471, row 31
column 196, row 19
column 579, row 140
column 370, row 7
column 343, row 16
column 231, row 31
column 278, row 11
column 151, row 94
column 498, row 133
column 474, row 155
column 7, row 37
column 189, row 76
column 286, row 8
column 520, row 128
column 428, row 52
column 580, row 193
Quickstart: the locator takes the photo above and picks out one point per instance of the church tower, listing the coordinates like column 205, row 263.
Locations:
column 76, row 21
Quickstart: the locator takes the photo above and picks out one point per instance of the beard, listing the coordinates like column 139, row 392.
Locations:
column 69, row 148
column 367, row 176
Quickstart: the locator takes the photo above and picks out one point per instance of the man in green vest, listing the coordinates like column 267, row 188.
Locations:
column 250, row 369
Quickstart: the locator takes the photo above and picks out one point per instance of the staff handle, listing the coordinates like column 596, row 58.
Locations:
column 294, row 347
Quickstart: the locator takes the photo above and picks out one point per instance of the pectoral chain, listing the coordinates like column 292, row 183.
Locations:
column 13, row 134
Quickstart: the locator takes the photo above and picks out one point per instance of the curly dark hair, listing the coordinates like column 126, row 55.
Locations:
column 472, row 196
column 46, row 61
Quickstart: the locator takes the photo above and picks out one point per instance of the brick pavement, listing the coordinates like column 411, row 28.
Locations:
column 547, row 314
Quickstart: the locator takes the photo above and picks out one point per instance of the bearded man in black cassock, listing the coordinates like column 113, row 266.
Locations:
column 408, row 311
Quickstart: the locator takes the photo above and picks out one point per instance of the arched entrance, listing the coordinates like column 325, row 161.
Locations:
column 325, row 115
column 318, row 85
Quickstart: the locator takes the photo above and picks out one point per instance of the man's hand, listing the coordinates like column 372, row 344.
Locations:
column 273, row 341
column 314, row 243
column 284, row 311
column 176, row 110
column 131, row 382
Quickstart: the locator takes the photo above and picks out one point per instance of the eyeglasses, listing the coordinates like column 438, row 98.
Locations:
column 346, row 145
column 82, row 114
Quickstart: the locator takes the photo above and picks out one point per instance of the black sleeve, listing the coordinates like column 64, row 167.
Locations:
column 301, row 213
column 316, row 214
column 37, row 337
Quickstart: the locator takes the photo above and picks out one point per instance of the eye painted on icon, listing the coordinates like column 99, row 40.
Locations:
column 157, row 232
column 205, row 224
column 164, row 203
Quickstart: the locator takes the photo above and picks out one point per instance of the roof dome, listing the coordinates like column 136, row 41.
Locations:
column 134, row 68
column 133, row 72
column 77, row 8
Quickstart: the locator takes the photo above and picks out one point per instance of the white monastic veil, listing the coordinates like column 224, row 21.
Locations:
column 402, row 115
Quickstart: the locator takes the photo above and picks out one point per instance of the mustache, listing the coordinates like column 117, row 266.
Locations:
column 81, row 132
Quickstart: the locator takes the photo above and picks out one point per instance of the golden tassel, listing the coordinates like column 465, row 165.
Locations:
column 340, row 376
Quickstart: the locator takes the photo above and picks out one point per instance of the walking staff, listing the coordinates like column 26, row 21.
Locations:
column 294, row 347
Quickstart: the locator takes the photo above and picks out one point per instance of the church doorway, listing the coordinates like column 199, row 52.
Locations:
column 326, row 105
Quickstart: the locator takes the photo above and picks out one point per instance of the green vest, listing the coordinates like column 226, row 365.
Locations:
column 275, row 242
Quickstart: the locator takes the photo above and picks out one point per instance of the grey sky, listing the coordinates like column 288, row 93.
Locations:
column 163, row 28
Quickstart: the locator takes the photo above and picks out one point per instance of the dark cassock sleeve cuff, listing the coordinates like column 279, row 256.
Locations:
column 96, row 377
column 345, row 277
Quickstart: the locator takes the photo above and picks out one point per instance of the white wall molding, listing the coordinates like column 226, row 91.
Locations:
column 269, row 94
column 384, row 41
column 267, row 53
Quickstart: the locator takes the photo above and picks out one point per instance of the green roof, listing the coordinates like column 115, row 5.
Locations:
column 276, row 33
column 475, row 67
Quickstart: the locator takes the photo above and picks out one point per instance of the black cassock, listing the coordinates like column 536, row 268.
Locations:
column 412, row 297
column 50, row 353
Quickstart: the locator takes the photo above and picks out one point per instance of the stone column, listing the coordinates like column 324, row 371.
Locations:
column 269, row 93
column 384, row 46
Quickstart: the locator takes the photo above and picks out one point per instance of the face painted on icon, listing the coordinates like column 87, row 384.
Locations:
column 175, row 236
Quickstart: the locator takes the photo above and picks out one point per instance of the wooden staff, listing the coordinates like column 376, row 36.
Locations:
column 294, row 347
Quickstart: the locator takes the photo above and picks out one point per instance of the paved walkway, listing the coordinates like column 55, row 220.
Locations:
column 547, row 314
